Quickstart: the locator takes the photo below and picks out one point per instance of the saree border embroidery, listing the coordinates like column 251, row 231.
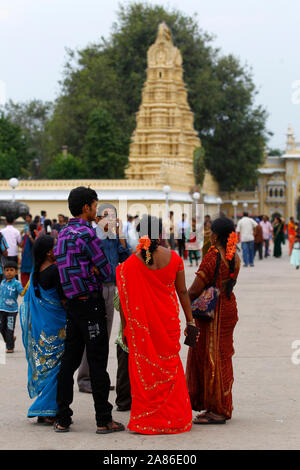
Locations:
column 203, row 275
column 164, row 430
column 135, row 352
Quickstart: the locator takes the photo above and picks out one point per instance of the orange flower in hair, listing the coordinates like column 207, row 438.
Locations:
column 144, row 244
column 231, row 246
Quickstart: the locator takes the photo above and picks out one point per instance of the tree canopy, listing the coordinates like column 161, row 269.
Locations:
column 14, row 150
column 94, row 115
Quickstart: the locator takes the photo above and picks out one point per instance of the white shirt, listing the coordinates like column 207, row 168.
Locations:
column 267, row 229
column 245, row 226
column 13, row 237
column 182, row 226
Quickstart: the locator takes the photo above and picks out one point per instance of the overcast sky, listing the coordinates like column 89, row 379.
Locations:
column 263, row 33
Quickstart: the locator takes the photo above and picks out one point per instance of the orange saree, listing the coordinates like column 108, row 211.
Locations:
column 160, row 400
column 209, row 372
column 292, row 236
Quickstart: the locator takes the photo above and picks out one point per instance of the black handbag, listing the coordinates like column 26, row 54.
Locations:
column 203, row 308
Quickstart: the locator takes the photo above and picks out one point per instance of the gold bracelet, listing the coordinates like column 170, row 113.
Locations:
column 192, row 323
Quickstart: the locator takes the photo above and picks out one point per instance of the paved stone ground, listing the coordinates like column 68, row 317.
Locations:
column 265, row 392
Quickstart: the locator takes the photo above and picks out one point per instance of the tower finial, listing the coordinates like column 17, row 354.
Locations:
column 164, row 32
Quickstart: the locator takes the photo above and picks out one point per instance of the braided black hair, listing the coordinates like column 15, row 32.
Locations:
column 151, row 226
column 41, row 247
column 223, row 227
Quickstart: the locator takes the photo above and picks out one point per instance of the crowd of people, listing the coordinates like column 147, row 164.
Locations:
column 74, row 275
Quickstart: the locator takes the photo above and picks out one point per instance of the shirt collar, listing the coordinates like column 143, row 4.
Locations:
column 78, row 220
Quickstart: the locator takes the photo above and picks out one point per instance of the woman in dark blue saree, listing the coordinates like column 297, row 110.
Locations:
column 43, row 321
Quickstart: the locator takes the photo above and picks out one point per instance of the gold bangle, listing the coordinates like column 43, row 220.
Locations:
column 191, row 323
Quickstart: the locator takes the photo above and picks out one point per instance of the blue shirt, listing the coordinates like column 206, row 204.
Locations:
column 114, row 251
column 3, row 247
column 9, row 292
column 78, row 250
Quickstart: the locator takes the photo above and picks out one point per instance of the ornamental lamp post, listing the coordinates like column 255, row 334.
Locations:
column 235, row 204
column 245, row 206
column 13, row 182
column 255, row 206
column 219, row 202
column 196, row 197
column 166, row 190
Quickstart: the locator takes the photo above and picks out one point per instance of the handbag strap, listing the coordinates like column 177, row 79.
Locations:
column 217, row 269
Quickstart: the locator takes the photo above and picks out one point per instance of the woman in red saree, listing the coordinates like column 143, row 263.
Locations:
column 209, row 372
column 291, row 234
column 147, row 285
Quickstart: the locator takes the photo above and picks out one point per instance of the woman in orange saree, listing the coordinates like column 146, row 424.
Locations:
column 209, row 372
column 291, row 234
column 147, row 290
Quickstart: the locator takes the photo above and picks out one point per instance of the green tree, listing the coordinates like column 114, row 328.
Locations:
column 105, row 149
column 199, row 165
column 32, row 117
column 14, row 150
column 66, row 167
column 275, row 152
column 235, row 145
column 110, row 75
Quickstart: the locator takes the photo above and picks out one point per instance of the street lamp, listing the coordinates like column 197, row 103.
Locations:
column 219, row 202
column 235, row 204
column 196, row 197
column 13, row 182
column 166, row 190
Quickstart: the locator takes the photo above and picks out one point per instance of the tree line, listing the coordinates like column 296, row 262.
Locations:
column 100, row 93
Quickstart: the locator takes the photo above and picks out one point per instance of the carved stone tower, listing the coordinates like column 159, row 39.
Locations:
column 164, row 140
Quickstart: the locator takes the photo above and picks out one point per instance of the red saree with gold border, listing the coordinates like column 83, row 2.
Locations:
column 209, row 371
column 160, row 399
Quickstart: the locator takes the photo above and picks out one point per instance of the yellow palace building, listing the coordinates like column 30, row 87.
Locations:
column 278, row 189
column 161, row 152
column 160, row 173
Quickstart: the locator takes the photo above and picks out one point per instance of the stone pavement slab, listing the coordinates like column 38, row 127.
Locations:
column 265, row 392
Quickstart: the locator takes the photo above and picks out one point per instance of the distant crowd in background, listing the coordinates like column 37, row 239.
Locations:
column 82, row 270
column 256, row 234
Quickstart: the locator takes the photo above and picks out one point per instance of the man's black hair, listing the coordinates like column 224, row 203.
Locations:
column 43, row 213
column 10, row 264
column 10, row 219
column 80, row 196
column 245, row 214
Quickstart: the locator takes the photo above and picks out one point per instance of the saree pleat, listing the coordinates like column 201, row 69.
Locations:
column 160, row 400
column 43, row 322
column 209, row 371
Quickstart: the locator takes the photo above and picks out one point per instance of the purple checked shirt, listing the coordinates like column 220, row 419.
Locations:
column 78, row 249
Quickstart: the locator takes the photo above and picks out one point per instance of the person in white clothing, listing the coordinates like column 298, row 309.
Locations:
column 267, row 233
column 13, row 239
column 183, row 233
column 245, row 228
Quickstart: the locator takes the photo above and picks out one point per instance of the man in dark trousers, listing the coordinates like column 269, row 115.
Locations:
column 82, row 268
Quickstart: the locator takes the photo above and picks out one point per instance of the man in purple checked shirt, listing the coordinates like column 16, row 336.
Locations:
column 82, row 267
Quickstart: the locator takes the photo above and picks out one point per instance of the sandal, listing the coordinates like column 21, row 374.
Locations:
column 64, row 429
column 208, row 419
column 109, row 428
